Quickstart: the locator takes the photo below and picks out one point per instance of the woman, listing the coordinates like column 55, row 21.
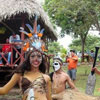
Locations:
column 34, row 83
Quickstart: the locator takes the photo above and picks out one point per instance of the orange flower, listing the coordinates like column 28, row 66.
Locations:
column 40, row 34
column 26, row 46
column 43, row 48
column 29, row 34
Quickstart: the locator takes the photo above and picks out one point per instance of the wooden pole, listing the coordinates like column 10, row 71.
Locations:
column 22, row 37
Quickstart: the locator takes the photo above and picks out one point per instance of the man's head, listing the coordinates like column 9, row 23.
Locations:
column 57, row 63
column 92, row 51
column 72, row 52
column 14, row 35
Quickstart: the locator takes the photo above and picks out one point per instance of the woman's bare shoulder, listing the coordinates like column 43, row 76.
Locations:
column 46, row 77
column 17, row 75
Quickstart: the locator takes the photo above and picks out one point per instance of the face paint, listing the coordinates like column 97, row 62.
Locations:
column 35, row 58
column 56, row 65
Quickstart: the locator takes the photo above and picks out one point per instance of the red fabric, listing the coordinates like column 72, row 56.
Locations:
column 6, row 48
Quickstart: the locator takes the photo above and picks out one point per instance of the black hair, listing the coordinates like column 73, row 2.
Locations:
column 26, row 66
column 72, row 51
column 13, row 33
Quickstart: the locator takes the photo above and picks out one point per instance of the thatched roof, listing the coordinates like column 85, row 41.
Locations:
column 11, row 8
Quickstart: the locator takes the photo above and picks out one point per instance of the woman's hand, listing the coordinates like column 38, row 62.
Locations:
column 94, row 69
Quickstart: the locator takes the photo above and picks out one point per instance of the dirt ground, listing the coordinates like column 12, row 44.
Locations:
column 14, row 94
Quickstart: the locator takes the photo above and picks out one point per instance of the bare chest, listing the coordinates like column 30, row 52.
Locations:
column 59, row 79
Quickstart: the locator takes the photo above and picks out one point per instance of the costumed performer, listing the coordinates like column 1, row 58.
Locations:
column 35, row 84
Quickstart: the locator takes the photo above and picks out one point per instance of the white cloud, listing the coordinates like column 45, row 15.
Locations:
column 94, row 33
column 65, row 41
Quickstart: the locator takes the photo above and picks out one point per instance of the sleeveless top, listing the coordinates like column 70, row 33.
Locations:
column 39, row 85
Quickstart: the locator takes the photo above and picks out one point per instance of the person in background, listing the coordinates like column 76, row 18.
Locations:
column 6, row 50
column 92, row 54
column 59, row 78
column 72, row 61
column 1, row 63
column 35, row 84
column 15, row 39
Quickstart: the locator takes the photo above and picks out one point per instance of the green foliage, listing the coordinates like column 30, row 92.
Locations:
column 74, row 17
column 63, row 52
column 2, row 30
column 56, row 49
column 53, row 48
column 90, row 44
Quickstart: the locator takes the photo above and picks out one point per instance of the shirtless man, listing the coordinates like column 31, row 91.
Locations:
column 59, row 78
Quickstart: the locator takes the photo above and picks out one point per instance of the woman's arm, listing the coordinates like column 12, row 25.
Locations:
column 96, row 70
column 48, row 81
column 5, row 89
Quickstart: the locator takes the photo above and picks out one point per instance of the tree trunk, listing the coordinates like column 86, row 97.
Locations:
column 83, row 43
column 83, row 38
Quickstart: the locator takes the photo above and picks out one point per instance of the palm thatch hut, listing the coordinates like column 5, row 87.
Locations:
column 16, row 13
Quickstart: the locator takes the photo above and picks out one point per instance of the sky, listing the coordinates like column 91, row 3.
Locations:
column 65, row 41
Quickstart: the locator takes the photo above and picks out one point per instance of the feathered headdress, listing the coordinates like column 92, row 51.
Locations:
column 34, row 37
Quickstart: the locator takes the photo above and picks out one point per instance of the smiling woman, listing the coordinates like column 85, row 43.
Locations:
column 34, row 83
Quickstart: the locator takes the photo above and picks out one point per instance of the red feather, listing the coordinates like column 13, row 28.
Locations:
column 35, row 25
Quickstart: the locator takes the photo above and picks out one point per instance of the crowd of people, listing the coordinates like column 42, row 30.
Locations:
column 5, row 55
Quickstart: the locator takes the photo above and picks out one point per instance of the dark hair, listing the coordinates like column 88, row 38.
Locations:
column 13, row 33
column 26, row 66
column 72, row 51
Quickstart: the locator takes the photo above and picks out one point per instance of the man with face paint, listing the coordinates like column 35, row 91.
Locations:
column 59, row 78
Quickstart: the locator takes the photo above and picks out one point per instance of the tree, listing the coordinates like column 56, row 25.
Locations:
column 56, row 49
column 63, row 52
column 74, row 16
column 91, row 43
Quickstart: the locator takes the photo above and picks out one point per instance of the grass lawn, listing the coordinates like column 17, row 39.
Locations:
column 83, row 70
column 82, row 75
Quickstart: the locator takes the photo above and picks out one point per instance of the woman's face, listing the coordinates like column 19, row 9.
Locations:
column 35, row 59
